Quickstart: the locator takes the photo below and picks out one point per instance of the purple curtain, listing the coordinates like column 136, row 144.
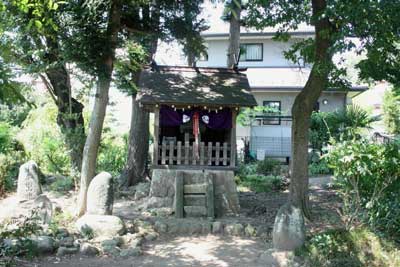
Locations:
column 213, row 120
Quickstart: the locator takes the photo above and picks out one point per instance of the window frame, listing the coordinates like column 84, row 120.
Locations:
column 252, row 60
column 271, row 121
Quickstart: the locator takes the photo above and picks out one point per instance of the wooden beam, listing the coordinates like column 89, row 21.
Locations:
column 195, row 188
column 195, row 211
column 195, row 200
column 210, row 194
column 179, row 195
column 156, row 135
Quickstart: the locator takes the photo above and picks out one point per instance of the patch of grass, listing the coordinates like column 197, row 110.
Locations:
column 349, row 248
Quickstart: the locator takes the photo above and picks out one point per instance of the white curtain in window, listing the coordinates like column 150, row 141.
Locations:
column 253, row 52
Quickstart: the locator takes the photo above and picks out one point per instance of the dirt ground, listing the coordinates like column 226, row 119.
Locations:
column 258, row 209
column 207, row 250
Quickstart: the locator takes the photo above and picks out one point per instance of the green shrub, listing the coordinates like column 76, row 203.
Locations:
column 9, row 167
column 25, row 227
column 319, row 167
column 62, row 184
column 14, row 115
column 391, row 112
column 368, row 177
column 112, row 153
column 343, row 124
column 246, row 169
column 343, row 248
column 44, row 141
column 262, row 183
column 268, row 166
column 12, row 155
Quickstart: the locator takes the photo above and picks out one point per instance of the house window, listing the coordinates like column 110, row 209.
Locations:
column 251, row 52
column 274, row 109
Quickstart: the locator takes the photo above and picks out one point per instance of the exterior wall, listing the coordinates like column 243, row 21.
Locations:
column 274, row 140
column 272, row 54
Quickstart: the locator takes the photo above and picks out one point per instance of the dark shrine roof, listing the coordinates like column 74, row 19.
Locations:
column 194, row 86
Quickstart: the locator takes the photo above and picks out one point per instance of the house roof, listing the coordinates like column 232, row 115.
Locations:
column 194, row 86
column 284, row 79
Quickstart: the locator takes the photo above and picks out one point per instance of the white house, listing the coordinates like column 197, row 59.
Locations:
column 274, row 82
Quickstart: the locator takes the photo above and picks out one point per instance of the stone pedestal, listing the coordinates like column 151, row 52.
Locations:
column 162, row 189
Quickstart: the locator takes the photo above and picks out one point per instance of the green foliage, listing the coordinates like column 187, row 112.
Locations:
column 9, row 167
column 14, row 115
column 44, row 141
column 343, row 124
column 354, row 248
column 391, row 112
column 247, row 115
column 368, row 178
column 112, row 153
column 263, row 176
column 11, row 156
column 319, row 167
column 263, row 183
column 128, row 66
column 87, row 233
column 19, row 236
column 60, row 220
column 62, row 184
column 269, row 166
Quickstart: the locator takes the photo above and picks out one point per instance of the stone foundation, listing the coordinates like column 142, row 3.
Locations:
column 162, row 189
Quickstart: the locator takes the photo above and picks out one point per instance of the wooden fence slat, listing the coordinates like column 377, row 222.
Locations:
column 209, row 152
column 179, row 153
column 163, row 153
column 217, row 150
column 225, row 154
column 202, row 153
column 171, row 153
column 187, row 152
column 194, row 152
column 179, row 195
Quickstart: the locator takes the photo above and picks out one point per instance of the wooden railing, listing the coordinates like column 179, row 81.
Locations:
column 210, row 154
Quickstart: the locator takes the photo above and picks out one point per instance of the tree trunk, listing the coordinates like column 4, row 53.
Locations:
column 303, row 107
column 191, row 59
column 234, row 34
column 138, row 146
column 100, row 105
column 289, row 230
column 69, row 117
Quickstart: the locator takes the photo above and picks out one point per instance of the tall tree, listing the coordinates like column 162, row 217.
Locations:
column 165, row 20
column 108, row 13
column 374, row 23
column 34, row 39
column 147, row 40
column 233, row 9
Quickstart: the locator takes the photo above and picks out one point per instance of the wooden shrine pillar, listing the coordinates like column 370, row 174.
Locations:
column 156, row 135
column 233, row 139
